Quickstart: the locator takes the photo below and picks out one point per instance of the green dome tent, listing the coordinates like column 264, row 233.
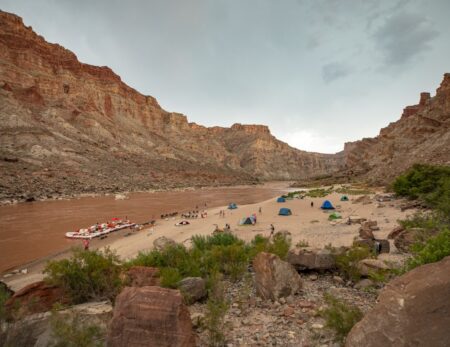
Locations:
column 334, row 216
column 344, row 198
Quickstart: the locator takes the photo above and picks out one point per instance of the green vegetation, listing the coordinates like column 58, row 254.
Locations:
column 70, row 331
column 353, row 191
column 340, row 316
column 216, row 308
column 432, row 250
column 221, row 253
column 4, row 296
column 429, row 183
column 319, row 192
column 347, row 262
column 87, row 275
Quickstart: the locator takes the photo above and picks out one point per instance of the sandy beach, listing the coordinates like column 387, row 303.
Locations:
column 309, row 224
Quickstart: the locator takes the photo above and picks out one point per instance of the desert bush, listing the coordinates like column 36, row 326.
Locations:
column 430, row 183
column 216, row 308
column 353, row 191
column 432, row 250
column 4, row 296
column 87, row 275
column 70, row 331
column 340, row 316
column 348, row 261
column 319, row 192
column 170, row 277
column 278, row 245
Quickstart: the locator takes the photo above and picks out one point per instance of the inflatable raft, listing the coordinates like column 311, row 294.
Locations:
column 100, row 229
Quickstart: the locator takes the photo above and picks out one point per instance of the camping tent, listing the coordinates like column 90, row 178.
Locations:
column 284, row 212
column 232, row 206
column 281, row 199
column 334, row 215
column 327, row 205
column 248, row 220
column 344, row 198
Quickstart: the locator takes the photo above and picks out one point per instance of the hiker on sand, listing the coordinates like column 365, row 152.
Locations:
column 86, row 244
column 272, row 230
column 312, row 203
column 260, row 210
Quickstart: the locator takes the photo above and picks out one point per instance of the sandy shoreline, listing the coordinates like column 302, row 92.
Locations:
column 306, row 223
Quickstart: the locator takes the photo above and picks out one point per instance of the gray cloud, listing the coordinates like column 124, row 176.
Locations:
column 403, row 37
column 334, row 71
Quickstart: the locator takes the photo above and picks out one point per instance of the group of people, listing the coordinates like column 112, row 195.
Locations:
column 169, row 215
column 195, row 214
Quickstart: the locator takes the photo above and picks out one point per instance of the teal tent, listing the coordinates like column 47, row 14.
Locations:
column 344, row 198
column 284, row 212
column 232, row 206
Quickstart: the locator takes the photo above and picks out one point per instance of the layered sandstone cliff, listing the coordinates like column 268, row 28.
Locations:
column 68, row 127
column 421, row 135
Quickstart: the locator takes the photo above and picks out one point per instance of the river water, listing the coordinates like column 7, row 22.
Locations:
column 29, row 231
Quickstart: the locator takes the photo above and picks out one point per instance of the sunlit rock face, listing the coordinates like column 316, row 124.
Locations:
column 69, row 127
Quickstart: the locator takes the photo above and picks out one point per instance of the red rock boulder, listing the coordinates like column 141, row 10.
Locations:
column 35, row 297
column 150, row 316
column 275, row 278
column 412, row 310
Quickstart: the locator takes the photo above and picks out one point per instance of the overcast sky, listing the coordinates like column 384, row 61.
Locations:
column 318, row 73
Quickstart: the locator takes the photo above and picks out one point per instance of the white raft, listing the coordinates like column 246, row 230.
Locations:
column 103, row 230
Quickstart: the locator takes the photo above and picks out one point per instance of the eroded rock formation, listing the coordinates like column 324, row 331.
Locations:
column 421, row 135
column 69, row 127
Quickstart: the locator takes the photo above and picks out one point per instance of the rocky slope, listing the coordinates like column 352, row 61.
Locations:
column 69, row 127
column 421, row 135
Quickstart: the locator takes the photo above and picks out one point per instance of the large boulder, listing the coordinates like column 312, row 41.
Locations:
column 275, row 278
column 406, row 238
column 412, row 310
column 150, row 316
column 192, row 288
column 142, row 276
column 311, row 259
column 36, row 330
column 162, row 242
column 35, row 297
column 395, row 232
column 366, row 266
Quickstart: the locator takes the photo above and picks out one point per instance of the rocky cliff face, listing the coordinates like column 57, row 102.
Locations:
column 421, row 135
column 69, row 127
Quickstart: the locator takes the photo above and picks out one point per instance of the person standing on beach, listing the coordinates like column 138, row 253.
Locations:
column 312, row 203
column 260, row 210
column 272, row 230
column 86, row 244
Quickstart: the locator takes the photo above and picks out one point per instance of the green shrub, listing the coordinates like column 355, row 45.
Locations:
column 170, row 277
column 4, row 296
column 348, row 261
column 87, row 275
column 340, row 316
column 278, row 245
column 216, row 309
column 204, row 243
column 302, row 244
column 353, row 191
column 70, row 331
column 432, row 250
column 429, row 183
column 319, row 192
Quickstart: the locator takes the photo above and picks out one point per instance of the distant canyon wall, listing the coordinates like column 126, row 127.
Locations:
column 69, row 127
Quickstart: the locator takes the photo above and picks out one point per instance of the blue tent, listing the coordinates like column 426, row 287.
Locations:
column 327, row 205
column 232, row 206
column 285, row 212
column 281, row 199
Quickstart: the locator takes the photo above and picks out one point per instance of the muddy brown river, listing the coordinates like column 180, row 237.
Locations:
column 29, row 231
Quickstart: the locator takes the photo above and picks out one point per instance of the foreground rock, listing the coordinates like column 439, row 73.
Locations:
column 366, row 266
column 35, row 297
column 311, row 259
column 162, row 242
column 142, row 276
column 150, row 316
column 406, row 238
column 413, row 310
column 192, row 288
column 275, row 278
column 36, row 330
